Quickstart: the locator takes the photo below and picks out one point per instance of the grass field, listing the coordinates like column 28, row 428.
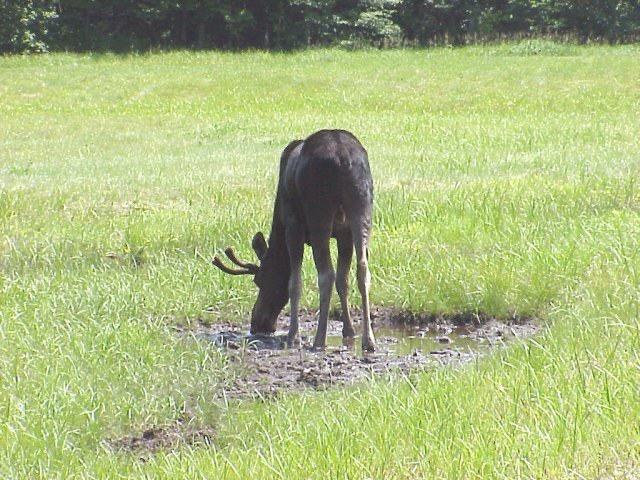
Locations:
column 506, row 182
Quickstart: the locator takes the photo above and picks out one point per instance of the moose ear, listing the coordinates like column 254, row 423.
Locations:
column 259, row 245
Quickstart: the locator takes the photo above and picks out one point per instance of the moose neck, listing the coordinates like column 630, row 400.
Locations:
column 277, row 254
column 278, row 251
column 275, row 268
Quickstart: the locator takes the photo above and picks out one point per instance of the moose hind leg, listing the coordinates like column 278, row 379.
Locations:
column 364, row 282
column 345, row 254
column 326, row 279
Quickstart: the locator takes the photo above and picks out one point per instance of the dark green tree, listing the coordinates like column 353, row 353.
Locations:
column 120, row 25
column 26, row 26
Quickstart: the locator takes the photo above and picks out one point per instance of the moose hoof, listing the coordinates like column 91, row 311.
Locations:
column 348, row 341
column 348, row 332
column 293, row 341
column 369, row 346
column 319, row 343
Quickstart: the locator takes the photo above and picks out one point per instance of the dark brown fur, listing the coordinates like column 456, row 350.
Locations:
column 325, row 191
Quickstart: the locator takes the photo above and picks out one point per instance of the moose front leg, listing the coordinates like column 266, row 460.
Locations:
column 295, row 245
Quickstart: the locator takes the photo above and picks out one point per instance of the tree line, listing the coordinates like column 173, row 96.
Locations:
column 121, row 25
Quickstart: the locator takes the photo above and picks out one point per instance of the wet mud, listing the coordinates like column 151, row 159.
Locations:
column 261, row 366
column 163, row 438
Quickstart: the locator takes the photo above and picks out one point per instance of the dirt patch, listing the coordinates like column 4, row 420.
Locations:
column 262, row 367
column 165, row 438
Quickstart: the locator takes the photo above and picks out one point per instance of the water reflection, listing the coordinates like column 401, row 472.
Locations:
column 406, row 339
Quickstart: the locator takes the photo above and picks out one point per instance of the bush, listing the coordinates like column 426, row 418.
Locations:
column 25, row 26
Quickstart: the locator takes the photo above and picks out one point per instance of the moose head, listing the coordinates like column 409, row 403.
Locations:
column 271, row 277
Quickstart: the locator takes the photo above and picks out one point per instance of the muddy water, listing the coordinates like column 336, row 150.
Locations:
column 405, row 340
column 262, row 366
column 392, row 339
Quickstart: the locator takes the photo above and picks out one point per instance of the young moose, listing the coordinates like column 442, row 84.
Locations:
column 324, row 191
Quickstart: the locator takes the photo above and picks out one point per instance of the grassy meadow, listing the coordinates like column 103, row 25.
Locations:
column 507, row 182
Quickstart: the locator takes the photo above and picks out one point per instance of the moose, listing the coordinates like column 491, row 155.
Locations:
column 325, row 191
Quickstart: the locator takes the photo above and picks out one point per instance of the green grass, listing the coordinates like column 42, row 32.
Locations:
column 507, row 181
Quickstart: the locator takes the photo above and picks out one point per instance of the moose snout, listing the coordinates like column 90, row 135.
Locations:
column 263, row 321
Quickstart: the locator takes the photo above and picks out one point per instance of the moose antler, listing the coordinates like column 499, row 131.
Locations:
column 246, row 268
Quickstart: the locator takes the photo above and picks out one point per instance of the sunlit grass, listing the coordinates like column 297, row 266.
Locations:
column 506, row 182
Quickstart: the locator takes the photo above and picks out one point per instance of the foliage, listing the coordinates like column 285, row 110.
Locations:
column 118, row 25
column 25, row 26
column 375, row 23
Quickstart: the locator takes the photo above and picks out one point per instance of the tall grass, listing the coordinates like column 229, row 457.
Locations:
column 505, row 183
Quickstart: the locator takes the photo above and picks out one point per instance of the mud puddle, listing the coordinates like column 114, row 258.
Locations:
column 391, row 339
column 261, row 366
